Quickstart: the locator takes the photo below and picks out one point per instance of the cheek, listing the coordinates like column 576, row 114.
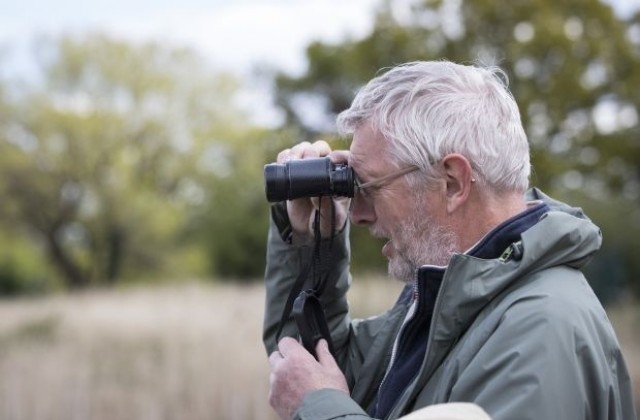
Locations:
column 391, row 217
column 398, row 209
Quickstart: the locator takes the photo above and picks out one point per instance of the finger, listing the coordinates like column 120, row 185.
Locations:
column 315, row 201
column 325, row 358
column 318, row 149
column 310, row 153
column 298, row 150
column 274, row 359
column 339, row 156
column 321, row 147
column 284, row 156
column 288, row 345
column 304, row 150
column 325, row 206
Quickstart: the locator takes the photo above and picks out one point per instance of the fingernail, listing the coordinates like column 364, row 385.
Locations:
column 324, row 345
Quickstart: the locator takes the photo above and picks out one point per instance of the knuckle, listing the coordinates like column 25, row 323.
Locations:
column 310, row 153
column 284, row 156
column 300, row 146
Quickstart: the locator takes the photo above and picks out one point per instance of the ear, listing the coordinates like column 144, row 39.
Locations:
column 458, row 176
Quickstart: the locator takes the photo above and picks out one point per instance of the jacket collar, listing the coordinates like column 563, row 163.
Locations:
column 493, row 244
column 550, row 235
column 545, row 236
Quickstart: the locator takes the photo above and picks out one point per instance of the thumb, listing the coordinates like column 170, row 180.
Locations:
column 335, row 377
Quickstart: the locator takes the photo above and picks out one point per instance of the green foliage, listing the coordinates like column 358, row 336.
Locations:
column 132, row 161
column 22, row 270
column 234, row 221
column 573, row 70
column 99, row 163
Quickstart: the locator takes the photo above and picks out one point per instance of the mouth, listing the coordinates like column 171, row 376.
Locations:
column 388, row 250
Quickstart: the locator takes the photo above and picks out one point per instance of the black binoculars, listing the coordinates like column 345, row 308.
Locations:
column 308, row 178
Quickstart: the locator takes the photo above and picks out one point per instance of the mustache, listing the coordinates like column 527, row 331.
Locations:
column 378, row 233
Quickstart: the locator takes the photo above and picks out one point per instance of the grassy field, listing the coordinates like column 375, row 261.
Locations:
column 187, row 352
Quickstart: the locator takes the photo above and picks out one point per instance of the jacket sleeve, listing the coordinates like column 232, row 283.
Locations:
column 362, row 346
column 285, row 260
column 329, row 404
column 333, row 404
column 548, row 359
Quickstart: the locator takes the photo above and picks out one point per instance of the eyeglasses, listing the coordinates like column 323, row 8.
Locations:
column 365, row 189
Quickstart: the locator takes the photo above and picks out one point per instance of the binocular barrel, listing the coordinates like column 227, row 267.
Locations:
column 308, row 178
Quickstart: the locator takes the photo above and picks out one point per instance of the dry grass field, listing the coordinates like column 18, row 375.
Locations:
column 188, row 352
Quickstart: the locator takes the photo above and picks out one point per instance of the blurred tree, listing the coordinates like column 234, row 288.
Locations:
column 233, row 223
column 573, row 68
column 99, row 161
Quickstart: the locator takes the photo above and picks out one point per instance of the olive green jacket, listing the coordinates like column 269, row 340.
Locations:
column 523, row 338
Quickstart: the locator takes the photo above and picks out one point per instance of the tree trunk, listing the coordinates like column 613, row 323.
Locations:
column 116, row 242
column 73, row 275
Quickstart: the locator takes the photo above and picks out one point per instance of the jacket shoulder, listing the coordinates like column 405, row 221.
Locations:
column 549, row 352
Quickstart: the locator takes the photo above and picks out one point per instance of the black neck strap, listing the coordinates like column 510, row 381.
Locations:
column 305, row 305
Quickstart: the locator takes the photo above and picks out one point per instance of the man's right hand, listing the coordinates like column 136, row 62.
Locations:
column 302, row 210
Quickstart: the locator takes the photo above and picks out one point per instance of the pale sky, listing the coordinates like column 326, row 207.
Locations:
column 232, row 34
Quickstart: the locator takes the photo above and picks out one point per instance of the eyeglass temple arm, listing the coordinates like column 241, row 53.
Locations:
column 388, row 177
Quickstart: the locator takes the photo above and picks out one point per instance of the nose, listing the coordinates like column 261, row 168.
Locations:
column 361, row 211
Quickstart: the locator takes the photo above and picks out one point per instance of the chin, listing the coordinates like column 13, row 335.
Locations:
column 400, row 270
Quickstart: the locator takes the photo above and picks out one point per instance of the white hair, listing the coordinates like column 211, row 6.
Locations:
column 426, row 110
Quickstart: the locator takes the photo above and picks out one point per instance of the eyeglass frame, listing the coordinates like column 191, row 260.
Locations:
column 361, row 188
column 379, row 183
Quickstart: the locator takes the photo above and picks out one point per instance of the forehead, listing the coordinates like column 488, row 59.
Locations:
column 368, row 150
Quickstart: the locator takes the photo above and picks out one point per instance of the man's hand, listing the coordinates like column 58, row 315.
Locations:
column 301, row 211
column 295, row 372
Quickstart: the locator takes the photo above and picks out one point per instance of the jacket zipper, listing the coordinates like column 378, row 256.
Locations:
column 436, row 308
column 408, row 318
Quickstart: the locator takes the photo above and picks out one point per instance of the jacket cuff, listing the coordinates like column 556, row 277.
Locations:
column 280, row 218
column 325, row 404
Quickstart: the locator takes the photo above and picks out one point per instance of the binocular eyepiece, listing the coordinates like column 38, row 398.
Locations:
column 308, row 178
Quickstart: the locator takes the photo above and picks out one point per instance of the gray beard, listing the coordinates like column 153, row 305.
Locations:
column 420, row 242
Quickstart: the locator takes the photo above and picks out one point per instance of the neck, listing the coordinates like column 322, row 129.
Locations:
column 482, row 214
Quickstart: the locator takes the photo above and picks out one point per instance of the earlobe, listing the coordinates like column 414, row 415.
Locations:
column 458, row 180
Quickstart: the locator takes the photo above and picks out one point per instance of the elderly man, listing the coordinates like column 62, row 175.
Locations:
column 495, row 312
